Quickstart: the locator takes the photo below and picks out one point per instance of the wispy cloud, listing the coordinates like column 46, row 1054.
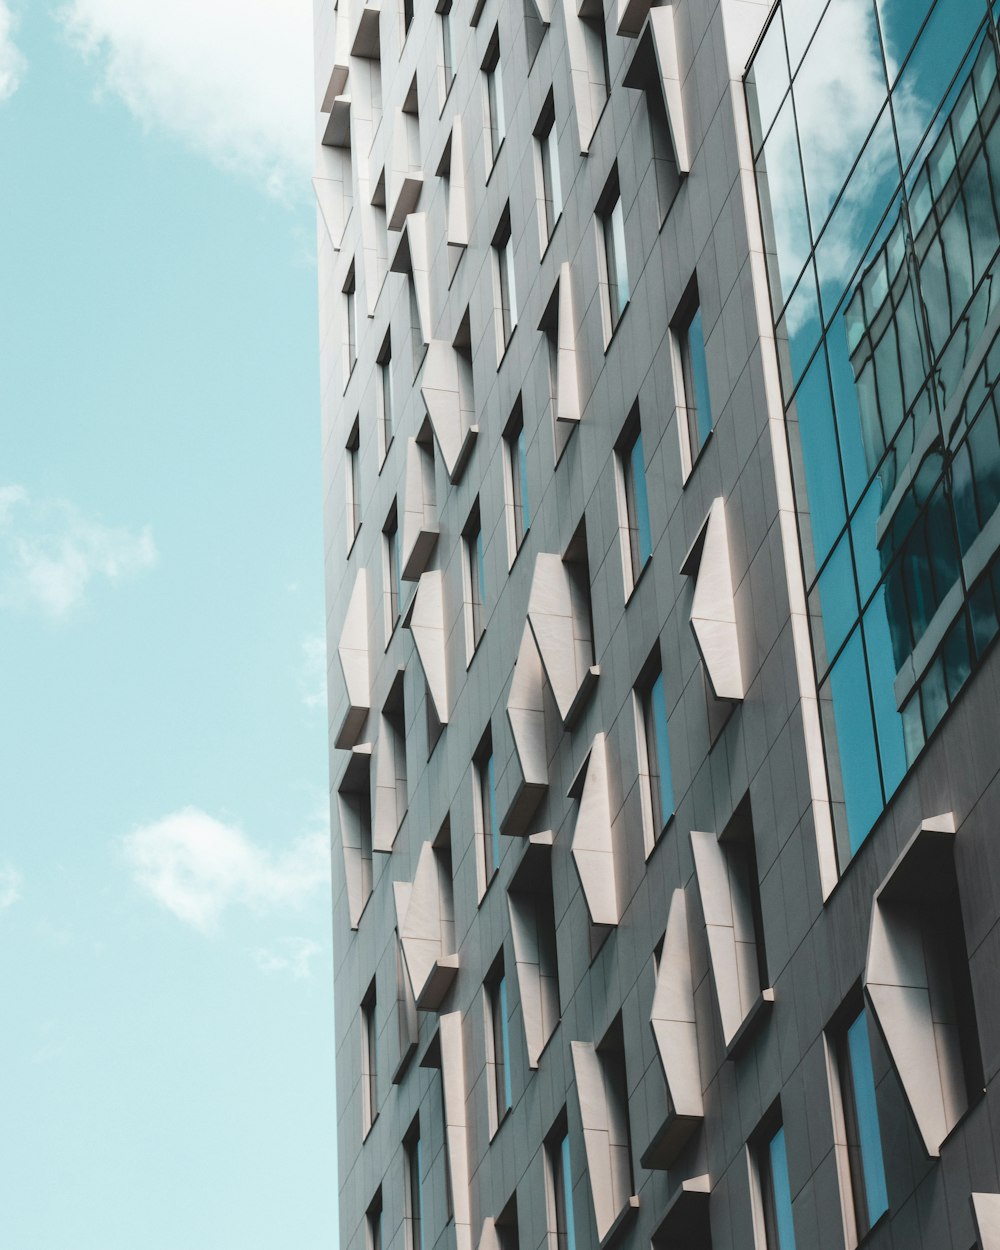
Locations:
column 231, row 79
column 197, row 867
column 12, row 62
column 50, row 552
column 10, row 886
column 314, row 671
column 293, row 957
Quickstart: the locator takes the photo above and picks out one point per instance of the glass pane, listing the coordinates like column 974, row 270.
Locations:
column 853, row 222
column 522, row 466
column 933, row 62
column 779, row 180
column 813, row 409
column 801, row 19
column 505, row 1037
column 494, row 827
column 567, row 1178
column 768, row 80
column 882, row 667
column 900, row 20
column 658, row 699
column 799, row 330
column 782, row 1191
column 856, row 741
column 838, row 597
column 831, row 85
column 697, row 380
column 870, row 1140
column 621, row 267
column 641, row 501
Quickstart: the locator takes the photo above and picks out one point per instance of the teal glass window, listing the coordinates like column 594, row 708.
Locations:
column 414, row 1191
column 694, row 372
column 864, row 1140
column 518, row 497
column 655, row 752
column 636, row 500
column 776, row 1194
column 611, row 213
column 489, row 825
column 500, row 1042
column 561, row 1178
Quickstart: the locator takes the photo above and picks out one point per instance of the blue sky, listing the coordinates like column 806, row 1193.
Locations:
column 166, row 1054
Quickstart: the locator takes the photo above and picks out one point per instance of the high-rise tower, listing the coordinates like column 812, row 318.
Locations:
column 659, row 350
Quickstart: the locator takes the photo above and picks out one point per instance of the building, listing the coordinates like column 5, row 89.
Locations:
column 662, row 464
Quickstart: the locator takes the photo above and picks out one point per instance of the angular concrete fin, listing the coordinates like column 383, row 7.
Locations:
column 458, row 197
column 729, row 929
column 341, row 55
column 986, row 1214
column 560, row 622
column 353, row 651
column 713, row 608
column 630, row 16
column 441, row 391
column 593, row 847
column 923, row 1044
column 675, row 1029
column 589, row 94
column 489, row 1238
column 654, row 65
column 425, row 621
column 603, row 1132
column 568, row 407
column 420, row 515
column 456, row 1125
column 412, row 257
column 337, row 132
column 405, row 177
column 526, row 717
column 365, row 35
column 333, row 195
column 427, row 934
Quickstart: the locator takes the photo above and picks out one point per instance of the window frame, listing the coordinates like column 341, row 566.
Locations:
column 474, row 582
column 548, row 176
column 633, row 503
column 498, row 1047
column 517, row 494
column 392, row 585
column 385, row 399
column 657, row 793
column 691, row 377
column 369, row 1059
column 352, row 482
column 494, row 110
column 612, row 256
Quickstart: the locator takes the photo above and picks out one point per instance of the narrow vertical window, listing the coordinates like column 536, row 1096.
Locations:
column 613, row 267
column 495, row 121
column 447, row 46
column 406, row 16
column 369, row 1066
column 474, row 562
column 350, row 324
column 861, row 1124
column 504, row 292
column 352, row 482
column 498, row 1044
column 775, row 1194
column 596, row 33
column 414, row 1188
column 487, row 822
column 390, row 572
column 384, row 398
column 549, row 189
column 516, row 482
column 633, row 502
column 559, row 1176
column 693, row 396
column 652, row 737
column 373, row 1222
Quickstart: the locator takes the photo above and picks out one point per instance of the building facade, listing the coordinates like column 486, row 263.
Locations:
column 662, row 465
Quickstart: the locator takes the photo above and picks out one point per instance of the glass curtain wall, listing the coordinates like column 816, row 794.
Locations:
column 883, row 240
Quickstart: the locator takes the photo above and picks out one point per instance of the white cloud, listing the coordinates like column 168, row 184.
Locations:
column 197, row 867
column 12, row 62
column 294, row 957
column 314, row 671
column 232, row 79
column 10, row 886
column 50, row 552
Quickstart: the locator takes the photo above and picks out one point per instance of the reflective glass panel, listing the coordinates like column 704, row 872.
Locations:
column 866, row 1115
column 779, row 177
column 782, row 1193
